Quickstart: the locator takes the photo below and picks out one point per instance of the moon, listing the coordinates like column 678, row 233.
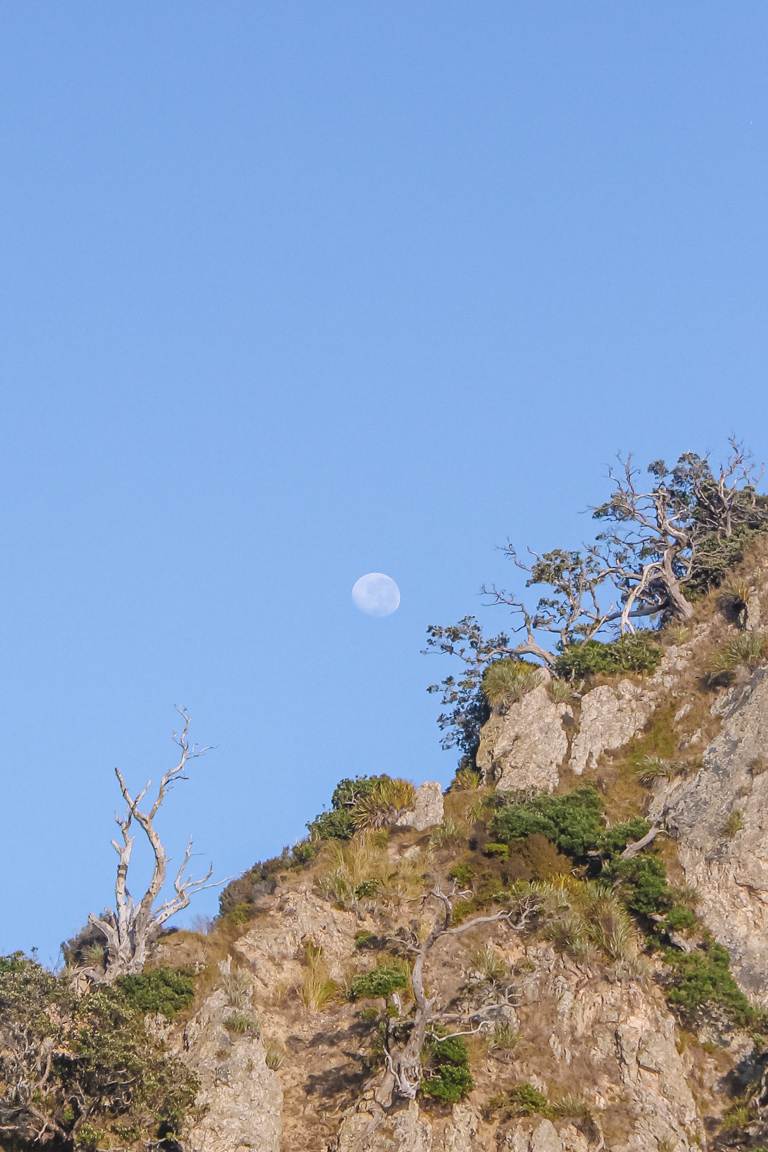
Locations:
column 376, row 594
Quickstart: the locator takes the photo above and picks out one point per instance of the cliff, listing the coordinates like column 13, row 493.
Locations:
column 589, row 908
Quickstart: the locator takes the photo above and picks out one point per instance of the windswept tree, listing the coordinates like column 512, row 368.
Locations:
column 132, row 927
column 664, row 540
column 677, row 534
column 407, row 1035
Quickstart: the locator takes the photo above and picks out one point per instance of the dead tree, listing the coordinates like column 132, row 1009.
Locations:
column 404, row 1073
column 130, row 929
column 682, row 529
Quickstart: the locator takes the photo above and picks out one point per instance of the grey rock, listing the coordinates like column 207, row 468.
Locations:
column 720, row 820
column 523, row 745
column 240, row 1098
column 611, row 715
column 427, row 811
column 378, row 1131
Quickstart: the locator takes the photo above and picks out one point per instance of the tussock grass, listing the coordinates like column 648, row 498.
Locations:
column 507, row 681
column 317, row 989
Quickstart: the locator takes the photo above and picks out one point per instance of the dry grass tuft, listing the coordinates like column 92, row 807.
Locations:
column 317, row 989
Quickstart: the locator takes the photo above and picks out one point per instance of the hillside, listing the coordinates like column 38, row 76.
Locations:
column 566, row 952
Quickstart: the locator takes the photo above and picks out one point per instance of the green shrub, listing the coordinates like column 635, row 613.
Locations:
column 163, row 990
column 463, row 873
column 638, row 652
column 361, row 802
column 337, row 824
column 507, row 681
column 680, row 919
column 365, row 939
column 113, row 1073
column 304, row 852
column 700, row 986
column 447, row 1075
column 521, row 1100
column 643, row 884
column 381, row 981
column 572, row 822
column 616, row 838
column 496, row 851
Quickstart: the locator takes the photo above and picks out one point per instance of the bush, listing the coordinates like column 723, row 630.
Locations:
column 163, row 990
column 572, row 822
column 361, row 803
column 381, row 981
column 381, row 805
column 447, row 1073
column 522, row 1100
column 507, row 681
column 638, row 652
column 700, row 986
column 643, row 884
column 110, row 1075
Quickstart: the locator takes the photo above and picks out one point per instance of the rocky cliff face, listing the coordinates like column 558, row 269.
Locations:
column 581, row 1049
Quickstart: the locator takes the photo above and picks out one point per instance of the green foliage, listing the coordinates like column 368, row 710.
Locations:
column 463, row 873
column 337, row 824
column 496, row 851
column 506, row 681
column 447, row 1075
column 365, row 939
column 643, row 884
column 463, row 700
column 242, row 1024
column 572, row 822
column 113, row 1075
column 616, row 838
column 700, row 986
column 304, row 852
column 521, row 1100
column 163, row 990
column 361, row 803
column 381, row 981
column 636, row 652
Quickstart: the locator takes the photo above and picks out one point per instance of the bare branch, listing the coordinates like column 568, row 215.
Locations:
column 133, row 927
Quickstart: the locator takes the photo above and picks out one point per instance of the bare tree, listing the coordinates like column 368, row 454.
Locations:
column 404, row 1072
column 683, row 528
column 133, row 926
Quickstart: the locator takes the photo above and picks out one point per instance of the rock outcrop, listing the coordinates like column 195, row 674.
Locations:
column 240, row 1100
column 427, row 811
column 525, row 743
column 719, row 819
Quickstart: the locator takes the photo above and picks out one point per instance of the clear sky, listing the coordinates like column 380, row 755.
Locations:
column 295, row 291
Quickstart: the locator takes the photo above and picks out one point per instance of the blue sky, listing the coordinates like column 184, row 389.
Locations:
column 293, row 292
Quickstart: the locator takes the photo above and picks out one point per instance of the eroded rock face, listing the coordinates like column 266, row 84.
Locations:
column 611, row 716
column 614, row 1041
column 523, row 746
column 240, row 1098
column 379, row 1131
column 720, row 821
